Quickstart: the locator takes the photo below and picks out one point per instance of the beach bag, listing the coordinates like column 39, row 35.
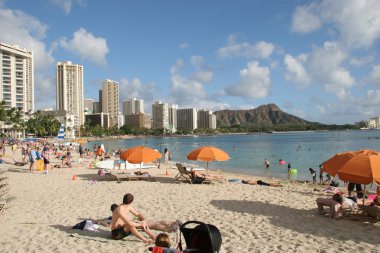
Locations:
column 86, row 225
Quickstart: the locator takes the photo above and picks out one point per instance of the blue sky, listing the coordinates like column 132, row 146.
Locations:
column 315, row 59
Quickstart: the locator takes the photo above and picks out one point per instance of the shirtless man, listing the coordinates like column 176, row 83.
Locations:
column 259, row 182
column 164, row 226
column 122, row 226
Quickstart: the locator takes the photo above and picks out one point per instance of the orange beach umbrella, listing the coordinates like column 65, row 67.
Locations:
column 139, row 154
column 361, row 167
column 208, row 154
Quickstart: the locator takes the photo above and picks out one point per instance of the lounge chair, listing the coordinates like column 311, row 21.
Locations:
column 183, row 174
column 125, row 177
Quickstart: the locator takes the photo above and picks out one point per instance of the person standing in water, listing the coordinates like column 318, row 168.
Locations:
column 266, row 163
column 289, row 168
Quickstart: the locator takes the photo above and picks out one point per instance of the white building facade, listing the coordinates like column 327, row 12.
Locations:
column 206, row 119
column 110, row 101
column 17, row 77
column 173, row 118
column 69, row 80
column 133, row 106
column 160, row 116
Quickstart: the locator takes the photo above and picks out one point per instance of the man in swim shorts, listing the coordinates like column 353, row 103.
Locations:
column 259, row 182
column 122, row 226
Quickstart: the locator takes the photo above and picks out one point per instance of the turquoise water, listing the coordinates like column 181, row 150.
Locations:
column 248, row 151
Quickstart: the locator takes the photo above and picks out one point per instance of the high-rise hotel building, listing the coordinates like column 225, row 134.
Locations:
column 160, row 115
column 110, row 100
column 133, row 106
column 17, row 77
column 70, row 90
column 187, row 118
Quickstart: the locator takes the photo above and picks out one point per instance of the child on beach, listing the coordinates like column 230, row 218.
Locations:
column 163, row 241
column 314, row 175
column 320, row 174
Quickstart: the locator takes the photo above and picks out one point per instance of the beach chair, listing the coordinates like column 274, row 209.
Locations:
column 125, row 177
column 183, row 174
column 204, row 238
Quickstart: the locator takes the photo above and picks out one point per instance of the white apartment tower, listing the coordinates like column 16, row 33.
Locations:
column 206, row 119
column 173, row 118
column 187, row 118
column 70, row 90
column 17, row 77
column 110, row 100
column 133, row 106
column 160, row 116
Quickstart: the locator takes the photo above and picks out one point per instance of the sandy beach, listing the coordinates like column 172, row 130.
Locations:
column 250, row 218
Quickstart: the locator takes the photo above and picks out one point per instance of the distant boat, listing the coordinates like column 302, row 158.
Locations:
column 61, row 132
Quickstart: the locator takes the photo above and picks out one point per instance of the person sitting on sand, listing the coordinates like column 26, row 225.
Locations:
column 259, row 182
column 122, row 226
column 163, row 226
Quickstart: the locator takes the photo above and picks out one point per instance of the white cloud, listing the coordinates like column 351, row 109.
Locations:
column 189, row 91
column 261, row 49
column 361, row 61
column 296, row 71
column 186, row 89
column 325, row 67
column 28, row 32
column 357, row 22
column 136, row 89
column 202, row 75
column 87, row 46
column 304, row 20
column 197, row 61
column 183, row 45
column 177, row 66
column 350, row 110
column 45, row 88
column 254, row 82
column 374, row 76
column 66, row 5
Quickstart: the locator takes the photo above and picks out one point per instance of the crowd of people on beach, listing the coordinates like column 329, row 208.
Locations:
column 121, row 225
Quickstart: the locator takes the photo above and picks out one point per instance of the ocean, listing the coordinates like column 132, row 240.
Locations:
column 303, row 150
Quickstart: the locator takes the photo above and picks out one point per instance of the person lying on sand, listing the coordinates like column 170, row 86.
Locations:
column 196, row 173
column 259, row 182
column 164, row 226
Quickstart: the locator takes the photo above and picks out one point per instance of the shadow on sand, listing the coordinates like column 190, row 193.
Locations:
column 300, row 220
column 102, row 235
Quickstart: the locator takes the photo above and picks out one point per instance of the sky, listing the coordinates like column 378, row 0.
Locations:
column 318, row 60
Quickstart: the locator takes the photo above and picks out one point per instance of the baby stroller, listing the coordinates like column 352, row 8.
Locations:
column 203, row 238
